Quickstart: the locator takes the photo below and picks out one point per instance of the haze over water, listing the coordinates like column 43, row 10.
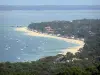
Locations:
column 15, row 46
column 22, row 17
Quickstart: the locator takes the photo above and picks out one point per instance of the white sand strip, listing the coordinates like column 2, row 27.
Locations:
column 71, row 49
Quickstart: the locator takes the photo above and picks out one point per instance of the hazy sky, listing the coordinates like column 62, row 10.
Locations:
column 49, row 2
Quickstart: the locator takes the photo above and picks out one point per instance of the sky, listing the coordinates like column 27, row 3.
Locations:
column 49, row 2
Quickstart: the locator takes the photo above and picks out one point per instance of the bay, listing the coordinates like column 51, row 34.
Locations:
column 16, row 46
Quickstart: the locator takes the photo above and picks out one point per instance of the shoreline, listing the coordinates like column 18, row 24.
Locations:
column 64, row 51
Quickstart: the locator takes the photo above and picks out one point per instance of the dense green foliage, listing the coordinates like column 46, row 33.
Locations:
column 77, row 28
column 82, row 67
column 85, row 62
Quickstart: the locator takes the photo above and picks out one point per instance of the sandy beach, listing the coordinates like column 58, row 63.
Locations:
column 71, row 49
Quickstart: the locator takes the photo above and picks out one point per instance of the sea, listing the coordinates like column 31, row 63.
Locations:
column 15, row 46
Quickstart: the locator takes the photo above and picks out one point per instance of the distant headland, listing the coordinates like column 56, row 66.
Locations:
column 50, row 7
column 75, row 31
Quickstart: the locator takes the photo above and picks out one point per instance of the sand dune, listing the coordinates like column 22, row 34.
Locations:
column 71, row 49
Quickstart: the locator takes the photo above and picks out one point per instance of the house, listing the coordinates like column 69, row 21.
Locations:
column 49, row 29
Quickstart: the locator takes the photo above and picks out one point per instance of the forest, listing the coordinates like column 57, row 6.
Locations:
column 84, row 62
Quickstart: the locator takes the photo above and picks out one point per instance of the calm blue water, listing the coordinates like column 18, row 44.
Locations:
column 15, row 46
column 19, row 17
